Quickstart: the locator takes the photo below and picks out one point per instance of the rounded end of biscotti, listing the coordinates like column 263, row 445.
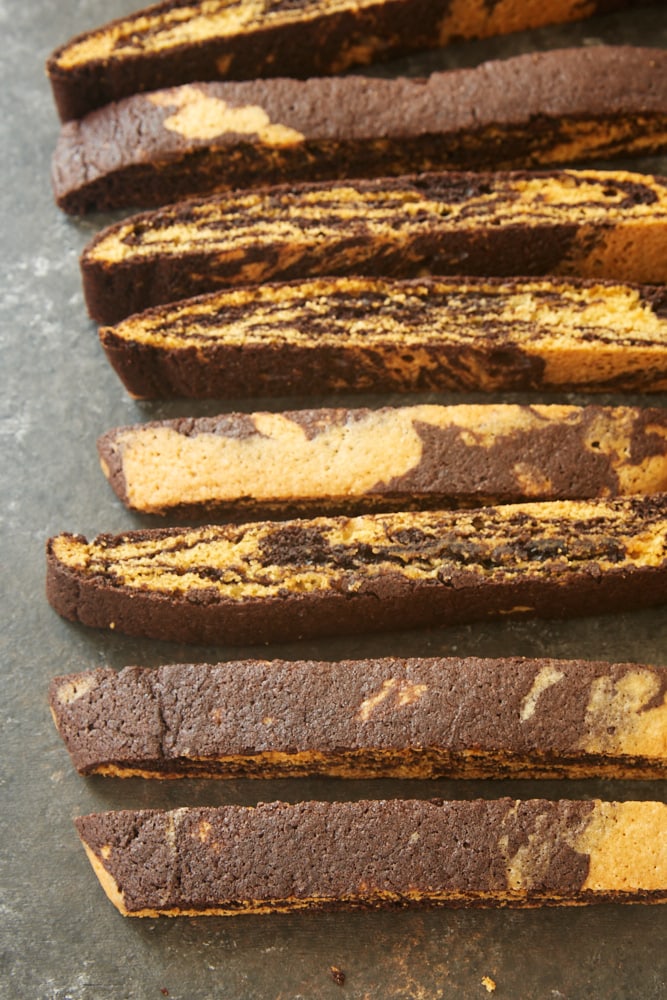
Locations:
column 62, row 585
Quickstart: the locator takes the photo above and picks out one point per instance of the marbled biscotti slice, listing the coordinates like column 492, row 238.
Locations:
column 416, row 718
column 319, row 335
column 272, row 581
column 277, row 857
column 183, row 41
column 540, row 109
column 592, row 224
column 390, row 458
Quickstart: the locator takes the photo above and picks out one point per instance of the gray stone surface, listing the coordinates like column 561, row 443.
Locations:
column 60, row 938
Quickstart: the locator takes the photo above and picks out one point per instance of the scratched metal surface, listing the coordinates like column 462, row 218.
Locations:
column 60, row 937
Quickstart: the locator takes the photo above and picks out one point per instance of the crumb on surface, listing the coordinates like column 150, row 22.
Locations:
column 337, row 975
column 489, row 984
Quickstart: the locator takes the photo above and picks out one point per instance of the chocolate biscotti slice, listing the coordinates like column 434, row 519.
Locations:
column 539, row 109
column 353, row 333
column 271, row 581
column 415, row 718
column 185, row 41
column 390, row 458
column 277, row 857
column 592, row 224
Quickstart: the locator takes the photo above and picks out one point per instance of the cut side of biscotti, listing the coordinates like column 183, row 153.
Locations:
column 390, row 458
column 355, row 333
column 539, row 109
column 379, row 718
column 588, row 223
column 271, row 581
column 180, row 41
column 278, row 857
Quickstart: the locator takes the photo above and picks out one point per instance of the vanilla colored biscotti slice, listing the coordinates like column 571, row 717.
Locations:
column 390, row 458
column 270, row 580
column 587, row 223
column 182, row 41
column 150, row 149
column 322, row 334
column 277, row 857
column 374, row 718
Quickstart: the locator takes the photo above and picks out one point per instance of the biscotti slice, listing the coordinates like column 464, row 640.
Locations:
column 401, row 853
column 380, row 718
column 181, row 41
column 592, row 224
column 540, row 109
column 270, row 581
column 390, row 458
column 320, row 335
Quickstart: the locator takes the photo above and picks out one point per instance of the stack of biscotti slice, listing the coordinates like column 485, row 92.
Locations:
column 595, row 224
column 272, row 581
column 329, row 334
column 389, row 458
column 540, row 109
column 181, row 41
column 278, row 857
column 372, row 718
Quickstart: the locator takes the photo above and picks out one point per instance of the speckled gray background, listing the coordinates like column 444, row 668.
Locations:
column 61, row 939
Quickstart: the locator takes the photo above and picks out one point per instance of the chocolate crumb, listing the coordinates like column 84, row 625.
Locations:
column 337, row 975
